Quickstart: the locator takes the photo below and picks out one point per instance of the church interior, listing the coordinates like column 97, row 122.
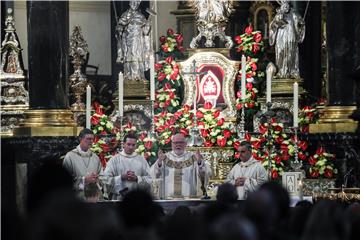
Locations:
column 283, row 76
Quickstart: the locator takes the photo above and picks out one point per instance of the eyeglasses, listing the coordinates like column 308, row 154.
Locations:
column 178, row 142
column 243, row 151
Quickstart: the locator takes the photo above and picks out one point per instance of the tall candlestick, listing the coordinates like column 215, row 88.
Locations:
column 152, row 78
column 88, row 106
column 296, row 105
column 195, row 95
column 268, row 85
column 243, row 77
column 121, row 94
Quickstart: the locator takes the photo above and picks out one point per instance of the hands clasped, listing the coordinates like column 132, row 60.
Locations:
column 129, row 176
column 92, row 177
column 240, row 181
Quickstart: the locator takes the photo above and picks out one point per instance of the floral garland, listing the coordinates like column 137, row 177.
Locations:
column 147, row 147
column 166, row 99
column 171, row 45
column 249, row 42
column 321, row 164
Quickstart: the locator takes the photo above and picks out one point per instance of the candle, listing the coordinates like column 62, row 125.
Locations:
column 269, row 72
column 301, row 195
column 152, row 78
column 243, row 77
column 296, row 105
column 121, row 94
column 88, row 106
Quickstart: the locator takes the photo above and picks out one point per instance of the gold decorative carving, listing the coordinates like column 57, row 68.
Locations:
column 255, row 9
column 285, row 86
column 136, row 89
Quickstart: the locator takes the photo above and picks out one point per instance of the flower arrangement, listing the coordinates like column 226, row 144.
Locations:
column 171, row 44
column 307, row 115
column 167, row 71
column 147, row 147
column 249, row 42
column 321, row 164
column 283, row 147
column 250, row 98
column 213, row 128
column 106, row 134
column 166, row 99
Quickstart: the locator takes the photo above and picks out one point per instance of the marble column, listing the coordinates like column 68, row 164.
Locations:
column 48, row 44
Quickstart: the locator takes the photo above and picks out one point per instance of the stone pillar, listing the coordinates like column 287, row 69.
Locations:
column 48, row 44
column 342, row 28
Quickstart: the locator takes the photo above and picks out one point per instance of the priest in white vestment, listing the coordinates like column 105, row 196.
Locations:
column 248, row 174
column 82, row 164
column 180, row 174
column 127, row 170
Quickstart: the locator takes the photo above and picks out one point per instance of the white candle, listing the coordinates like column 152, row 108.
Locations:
column 296, row 105
column 88, row 106
column 121, row 94
column 243, row 77
column 268, row 85
column 152, row 78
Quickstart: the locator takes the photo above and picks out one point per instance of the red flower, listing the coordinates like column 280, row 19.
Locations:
column 312, row 160
column 257, row 157
column 257, row 37
column 162, row 39
column 179, row 38
column 302, row 156
column 249, row 86
column 277, row 159
column 262, row 129
column 171, row 95
column 239, row 106
column 279, row 139
column 216, row 113
column 285, row 156
column 208, row 105
column 201, row 124
column 237, row 155
column 250, row 105
column 227, row 133
column 184, row 131
column 169, row 59
column 248, row 30
column 167, row 86
column 320, row 151
column 220, row 122
column 204, row 132
column 142, row 136
column 181, row 48
column 314, row 173
column 238, row 39
column 170, row 31
column 303, row 145
column 199, row 114
column 255, row 48
column 187, row 108
column 158, row 66
column 256, row 145
column 221, row 142
column 274, row 174
column 328, row 173
column 165, row 48
column 239, row 49
column 105, row 147
column 95, row 120
column 247, row 137
column 174, row 76
column 161, row 76
column 148, row 145
column 208, row 143
column 253, row 66
column 278, row 128
column 236, row 145
column 99, row 110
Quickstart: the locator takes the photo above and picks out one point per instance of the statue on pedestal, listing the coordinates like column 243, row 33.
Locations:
column 134, row 43
column 211, row 20
column 287, row 30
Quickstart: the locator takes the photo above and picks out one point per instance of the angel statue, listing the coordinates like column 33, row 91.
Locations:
column 211, row 19
column 287, row 30
column 134, row 43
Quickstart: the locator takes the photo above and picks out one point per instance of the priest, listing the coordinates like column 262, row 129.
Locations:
column 248, row 174
column 82, row 164
column 180, row 174
column 127, row 170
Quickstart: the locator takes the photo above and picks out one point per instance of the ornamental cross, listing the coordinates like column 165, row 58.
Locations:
column 193, row 70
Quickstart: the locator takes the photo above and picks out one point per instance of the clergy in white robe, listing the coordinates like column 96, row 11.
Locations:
column 180, row 174
column 127, row 170
column 248, row 174
column 82, row 164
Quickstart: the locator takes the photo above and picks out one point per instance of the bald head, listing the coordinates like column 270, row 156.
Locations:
column 178, row 144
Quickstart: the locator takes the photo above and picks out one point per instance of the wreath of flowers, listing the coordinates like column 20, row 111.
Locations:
column 249, row 42
column 167, row 71
column 322, row 164
column 171, row 44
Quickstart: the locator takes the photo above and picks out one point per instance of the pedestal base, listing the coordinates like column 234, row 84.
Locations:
column 136, row 89
column 285, row 86
column 11, row 116
column 47, row 122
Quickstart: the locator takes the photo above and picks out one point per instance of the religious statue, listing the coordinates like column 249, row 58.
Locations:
column 287, row 29
column 134, row 43
column 211, row 19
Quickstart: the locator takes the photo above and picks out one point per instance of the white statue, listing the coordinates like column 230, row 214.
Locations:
column 134, row 43
column 287, row 30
